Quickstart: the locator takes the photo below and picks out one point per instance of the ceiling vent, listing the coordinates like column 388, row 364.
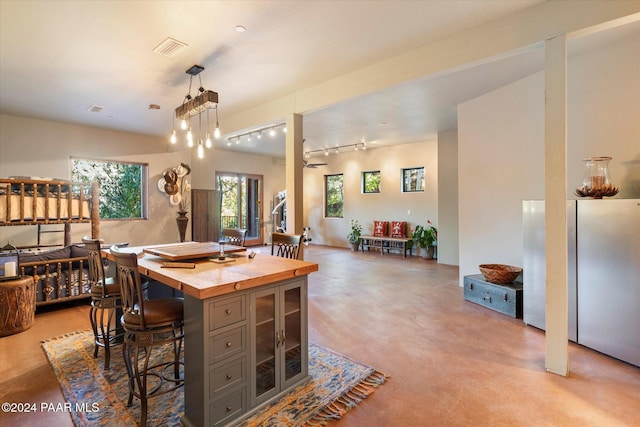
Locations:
column 169, row 47
column 95, row 108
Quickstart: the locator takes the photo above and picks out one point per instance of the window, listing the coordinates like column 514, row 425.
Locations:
column 371, row 182
column 333, row 195
column 122, row 185
column 412, row 180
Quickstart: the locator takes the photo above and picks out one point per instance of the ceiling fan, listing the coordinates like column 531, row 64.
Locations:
column 312, row 165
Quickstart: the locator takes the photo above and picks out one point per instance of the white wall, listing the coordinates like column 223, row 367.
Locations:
column 448, row 197
column 34, row 147
column 389, row 205
column 501, row 147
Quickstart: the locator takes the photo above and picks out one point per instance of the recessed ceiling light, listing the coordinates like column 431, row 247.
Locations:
column 240, row 29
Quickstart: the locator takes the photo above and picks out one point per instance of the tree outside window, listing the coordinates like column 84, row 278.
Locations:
column 412, row 180
column 371, row 182
column 121, row 186
column 334, row 196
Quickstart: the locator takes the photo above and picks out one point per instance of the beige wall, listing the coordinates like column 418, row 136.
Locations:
column 41, row 148
column 501, row 147
column 448, row 197
column 389, row 205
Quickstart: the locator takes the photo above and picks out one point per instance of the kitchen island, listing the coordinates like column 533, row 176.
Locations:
column 246, row 329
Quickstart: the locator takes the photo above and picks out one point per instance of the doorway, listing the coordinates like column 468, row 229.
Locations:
column 241, row 204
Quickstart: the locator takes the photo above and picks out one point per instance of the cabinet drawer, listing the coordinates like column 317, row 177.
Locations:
column 228, row 407
column 506, row 299
column 227, row 376
column 228, row 344
column 226, row 312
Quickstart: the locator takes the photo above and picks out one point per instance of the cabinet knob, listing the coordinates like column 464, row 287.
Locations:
column 506, row 297
column 229, row 376
column 229, row 409
column 228, row 311
column 471, row 286
column 228, row 344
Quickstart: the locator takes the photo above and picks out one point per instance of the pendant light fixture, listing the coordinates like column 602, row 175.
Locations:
column 205, row 101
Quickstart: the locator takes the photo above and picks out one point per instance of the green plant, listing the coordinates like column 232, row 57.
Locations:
column 356, row 232
column 423, row 237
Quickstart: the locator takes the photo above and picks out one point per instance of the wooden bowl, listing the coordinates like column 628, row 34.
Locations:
column 499, row 273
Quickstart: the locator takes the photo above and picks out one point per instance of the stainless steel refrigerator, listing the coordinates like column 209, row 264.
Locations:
column 609, row 277
column 534, row 266
column 604, row 298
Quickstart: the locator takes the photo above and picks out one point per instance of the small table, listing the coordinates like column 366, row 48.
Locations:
column 17, row 305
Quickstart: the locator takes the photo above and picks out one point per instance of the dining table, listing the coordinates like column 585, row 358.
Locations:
column 245, row 325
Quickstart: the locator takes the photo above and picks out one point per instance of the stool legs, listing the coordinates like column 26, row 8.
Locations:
column 102, row 331
column 139, row 367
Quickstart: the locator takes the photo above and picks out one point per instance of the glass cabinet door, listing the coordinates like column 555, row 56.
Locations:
column 292, row 333
column 265, row 367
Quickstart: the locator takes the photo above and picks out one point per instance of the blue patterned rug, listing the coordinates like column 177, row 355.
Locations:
column 99, row 397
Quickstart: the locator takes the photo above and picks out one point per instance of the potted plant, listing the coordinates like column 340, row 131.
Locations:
column 354, row 235
column 425, row 237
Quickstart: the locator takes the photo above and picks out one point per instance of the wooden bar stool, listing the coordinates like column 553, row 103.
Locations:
column 234, row 236
column 148, row 325
column 286, row 245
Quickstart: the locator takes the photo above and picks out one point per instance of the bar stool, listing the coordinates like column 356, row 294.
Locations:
column 235, row 236
column 286, row 245
column 105, row 297
column 147, row 324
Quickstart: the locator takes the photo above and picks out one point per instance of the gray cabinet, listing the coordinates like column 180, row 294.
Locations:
column 279, row 356
column 255, row 350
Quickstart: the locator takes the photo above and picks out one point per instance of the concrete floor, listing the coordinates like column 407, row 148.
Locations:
column 451, row 362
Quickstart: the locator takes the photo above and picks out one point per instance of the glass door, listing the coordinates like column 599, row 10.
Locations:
column 241, row 204
column 266, row 341
column 292, row 333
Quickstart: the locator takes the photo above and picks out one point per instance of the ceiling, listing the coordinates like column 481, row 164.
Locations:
column 58, row 58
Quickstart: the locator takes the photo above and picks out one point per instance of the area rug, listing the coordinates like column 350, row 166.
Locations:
column 97, row 397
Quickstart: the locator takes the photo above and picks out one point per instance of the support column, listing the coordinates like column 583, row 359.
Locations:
column 555, row 158
column 294, row 164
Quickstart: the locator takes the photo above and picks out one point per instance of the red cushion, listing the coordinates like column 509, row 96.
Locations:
column 397, row 228
column 380, row 228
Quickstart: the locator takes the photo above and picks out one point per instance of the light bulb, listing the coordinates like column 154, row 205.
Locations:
column 208, row 141
column 228, row 143
column 272, row 133
column 284, row 129
column 260, row 135
column 216, row 132
column 173, row 138
column 238, row 140
column 190, row 138
column 183, row 124
column 326, row 152
column 200, row 151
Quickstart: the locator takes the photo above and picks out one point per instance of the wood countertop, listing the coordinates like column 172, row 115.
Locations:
column 210, row 278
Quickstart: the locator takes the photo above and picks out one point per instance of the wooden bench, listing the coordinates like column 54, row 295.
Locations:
column 388, row 243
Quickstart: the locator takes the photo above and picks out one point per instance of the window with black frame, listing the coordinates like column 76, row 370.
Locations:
column 370, row 182
column 412, row 180
column 334, row 196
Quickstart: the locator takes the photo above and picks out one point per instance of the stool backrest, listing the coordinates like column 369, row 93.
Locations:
column 96, row 265
column 286, row 245
column 235, row 236
column 131, row 292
